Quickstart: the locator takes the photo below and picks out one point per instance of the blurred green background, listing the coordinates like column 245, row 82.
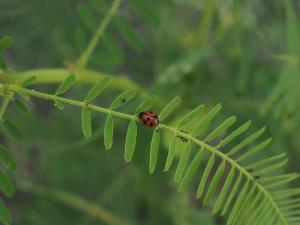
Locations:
column 244, row 54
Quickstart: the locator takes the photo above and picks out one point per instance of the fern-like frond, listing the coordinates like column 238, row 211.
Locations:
column 249, row 192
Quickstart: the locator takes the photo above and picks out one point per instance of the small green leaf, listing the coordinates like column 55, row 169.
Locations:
column 264, row 163
column 13, row 129
column 6, row 158
column 130, row 141
column 86, row 122
column 185, row 154
column 80, row 37
column 191, row 170
column 122, row 98
column 189, row 116
column 247, row 141
column 224, row 191
column 271, row 168
column 5, row 43
column 5, row 185
column 234, row 134
column 205, row 175
column 221, row 128
column 96, row 90
column 235, row 188
column 154, row 150
column 65, row 85
column 204, row 122
column 129, row 34
column 146, row 104
column 21, row 106
column 171, row 153
column 146, row 11
column 169, row 108
column 28, row 81
column 108, row 132
column 255, row 149
column 100, row 5
column 214, row 183
column 5, row 215
column 87, row 17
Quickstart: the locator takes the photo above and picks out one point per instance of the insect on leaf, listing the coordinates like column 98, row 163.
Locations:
column 96, row 90
column 130, row 141
column 12, row 128
column 5, row 185
column 6, row 158
column 65, row 85
column 173, row 104
column 5, row 216
column 108, row 132
column 146, row 104
column 154, row 150
column 122, row 98
column 86, row 122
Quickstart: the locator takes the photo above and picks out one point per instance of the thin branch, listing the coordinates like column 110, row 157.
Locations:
column 85, row 56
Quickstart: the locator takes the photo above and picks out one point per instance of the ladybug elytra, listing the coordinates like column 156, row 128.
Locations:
column 150, row 119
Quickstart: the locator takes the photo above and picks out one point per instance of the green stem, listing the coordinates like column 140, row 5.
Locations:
column 74, row 201
column 84, row 58
column 174, row 131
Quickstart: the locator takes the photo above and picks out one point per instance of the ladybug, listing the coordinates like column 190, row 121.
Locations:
column 150, row 119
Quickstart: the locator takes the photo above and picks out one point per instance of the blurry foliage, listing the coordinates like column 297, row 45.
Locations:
column 244, row 54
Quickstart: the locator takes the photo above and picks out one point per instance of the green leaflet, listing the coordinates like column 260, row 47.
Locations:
column 21, row 106
column 146, row 11
column 154, row 150
column 5, row 216
column 5, row 43
column 203, row 123
column 214, row 183
column 87, row 17
column 247, row 141
column 255, row 150
column 238, row 203
column 6, row 158
column 171, row 153
column 271, row 168
column 28, row 81
column 12, row 128
column 112, row 45
column 80, row 38
column 172, row 105
column 100, row 5
column 65, row 85
column 266, row 162
column 282, row 180
column 224, row 191
column 129, row 33
column 221, row 128
column 86, row 122
column 96, row 90
column 204, row 177
column 122, row 98
column 199, row 109
column 234, row 134
column 5, row 185
column 232, row 193
column 191, row 170
column 130, row 140
column 146, row 104
column 185, row 154
column 108, row 132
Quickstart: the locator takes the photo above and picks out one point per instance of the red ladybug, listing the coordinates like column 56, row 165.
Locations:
column 150, row 119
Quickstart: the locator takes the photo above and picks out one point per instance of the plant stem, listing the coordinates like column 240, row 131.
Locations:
column 74, row 201
column 85, row 56
column 173, row 130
